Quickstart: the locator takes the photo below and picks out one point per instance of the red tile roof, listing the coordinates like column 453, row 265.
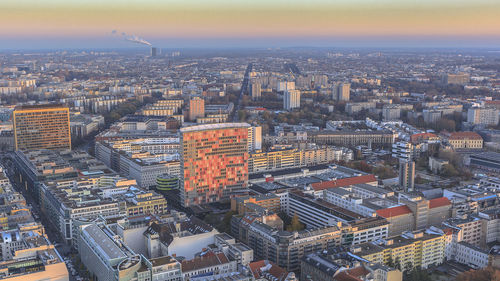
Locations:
column 207, row 260
column 394, row 211
column 353, row 274
column 344, row 276
column 343, row 182
column 274, row 270
column 439, row 202
column 448, row 231
column 422, row 136
column 465, row 135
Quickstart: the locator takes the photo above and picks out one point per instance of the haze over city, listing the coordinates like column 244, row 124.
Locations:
column 390, row 23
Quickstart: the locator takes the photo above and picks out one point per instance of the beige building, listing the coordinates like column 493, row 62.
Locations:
column 465, row 140
column 410, row 250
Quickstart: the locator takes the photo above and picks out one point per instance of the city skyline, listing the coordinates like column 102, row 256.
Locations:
column 174, row 24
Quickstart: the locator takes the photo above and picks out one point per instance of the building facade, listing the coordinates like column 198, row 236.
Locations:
column 42, row 127
column 214, row 162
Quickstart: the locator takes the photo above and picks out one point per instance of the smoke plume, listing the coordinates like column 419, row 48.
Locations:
column 131, row 38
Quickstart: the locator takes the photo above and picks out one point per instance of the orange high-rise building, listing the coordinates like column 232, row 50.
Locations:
column 41, row 127
column 196, row 108
column 214, row 162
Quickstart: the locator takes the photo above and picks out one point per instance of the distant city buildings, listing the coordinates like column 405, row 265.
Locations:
column 459, row 79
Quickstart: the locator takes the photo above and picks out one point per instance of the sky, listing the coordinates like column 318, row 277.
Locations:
column 39, row 24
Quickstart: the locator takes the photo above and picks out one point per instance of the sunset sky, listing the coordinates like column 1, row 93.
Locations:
column 258, row 23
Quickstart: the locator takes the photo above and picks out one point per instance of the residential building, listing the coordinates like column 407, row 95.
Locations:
column 291, row 99
column 483, row 116
column 254, row 138
column 284, row 86
column 268, row 271
column 407, row 175
column 255, row 90
column 285, row 248
column 410, row 250
column 341, row 91
column 432, row 116
column 336, row 264
column 180, row 237
column 39, row 261
column 470, row 229
column 391, row 112
column 196, row 108
column 83, row 125
column 211, row 263
column 459, row 79
column 355, row 107
column 269, row 203
column 471, row 255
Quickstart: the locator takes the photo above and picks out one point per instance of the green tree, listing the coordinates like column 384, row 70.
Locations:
column 417, row 274
column 295, row 224
column 390, row 262
column 449, row 171
column 485, row 274
column 397, row 263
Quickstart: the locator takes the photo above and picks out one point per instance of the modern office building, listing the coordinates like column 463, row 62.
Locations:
column 341, row 91
column 214, row 162
column 42, row 127
column 407, row 175
column 291, row 99
column 196, row 108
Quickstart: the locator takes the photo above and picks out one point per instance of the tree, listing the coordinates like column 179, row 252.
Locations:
column 397, row 263
column 384, row 172
column 449, row 171
column 417, row 274
column 390, row 262
column 295, row 224
column 486, row 274
column 408, row 267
